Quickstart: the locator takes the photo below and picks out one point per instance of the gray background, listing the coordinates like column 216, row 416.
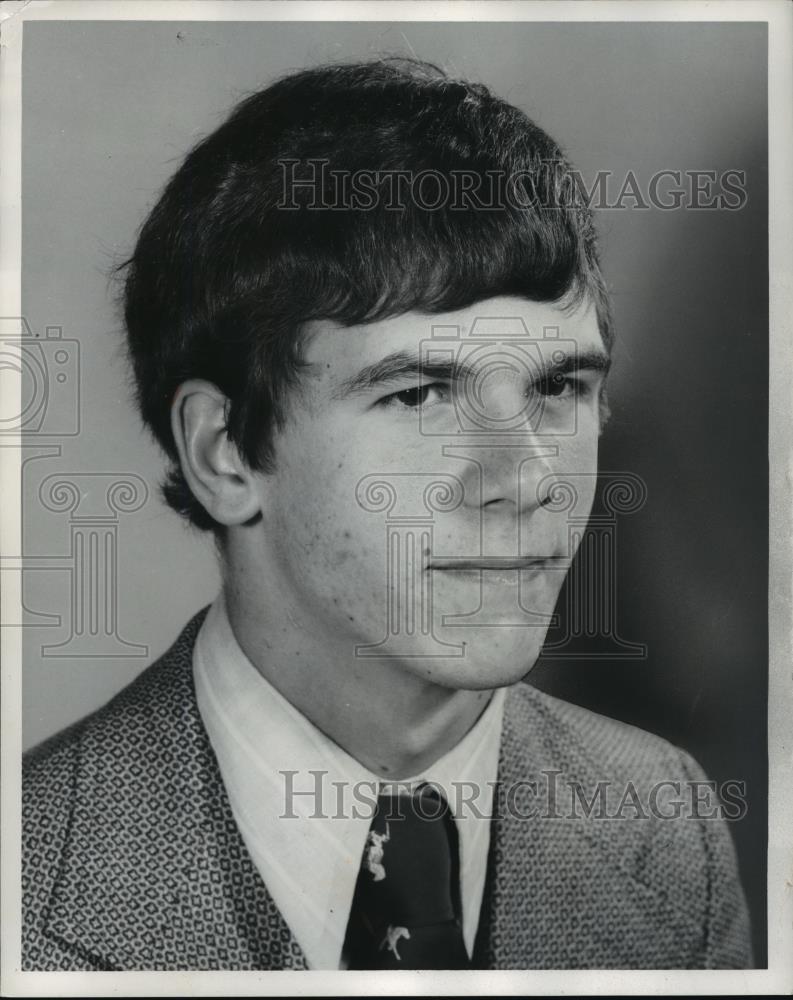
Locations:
column 109, row 109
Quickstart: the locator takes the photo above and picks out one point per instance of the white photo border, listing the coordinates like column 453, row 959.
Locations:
column 778, row 977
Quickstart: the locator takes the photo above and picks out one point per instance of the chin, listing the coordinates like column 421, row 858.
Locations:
column 487, row 662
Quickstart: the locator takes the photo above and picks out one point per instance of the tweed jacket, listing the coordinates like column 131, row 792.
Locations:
column 132, row 859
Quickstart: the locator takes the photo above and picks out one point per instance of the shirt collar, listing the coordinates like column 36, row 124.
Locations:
column 304, row 805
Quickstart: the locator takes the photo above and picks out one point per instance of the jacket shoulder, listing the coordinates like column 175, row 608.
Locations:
column 53, row 771
column 578, row 740
column 646, row 809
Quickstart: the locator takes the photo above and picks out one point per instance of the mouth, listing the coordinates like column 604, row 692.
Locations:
column 493, row 571
column 498, row 564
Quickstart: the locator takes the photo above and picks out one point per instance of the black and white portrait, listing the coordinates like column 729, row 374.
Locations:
column 388, row 407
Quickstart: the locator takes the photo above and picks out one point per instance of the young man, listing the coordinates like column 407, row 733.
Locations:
column 369, row 328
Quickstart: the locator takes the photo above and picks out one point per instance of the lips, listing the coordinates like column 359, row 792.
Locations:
column 462, row 563
column 505, row 572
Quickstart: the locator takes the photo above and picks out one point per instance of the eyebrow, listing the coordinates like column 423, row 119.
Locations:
column 396, row 367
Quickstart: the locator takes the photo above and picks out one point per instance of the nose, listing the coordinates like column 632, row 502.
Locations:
column 517, row 474
column 516, row 462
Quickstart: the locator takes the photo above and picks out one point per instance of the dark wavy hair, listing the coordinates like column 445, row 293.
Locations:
column 224, row 277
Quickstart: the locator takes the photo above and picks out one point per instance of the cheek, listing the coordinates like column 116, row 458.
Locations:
column 576, row 467
column 321, row 522
column 578, row 453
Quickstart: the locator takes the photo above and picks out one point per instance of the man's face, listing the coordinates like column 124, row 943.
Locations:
column 413, row 515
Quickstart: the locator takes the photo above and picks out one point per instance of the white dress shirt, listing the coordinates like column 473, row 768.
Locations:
column 304, row 806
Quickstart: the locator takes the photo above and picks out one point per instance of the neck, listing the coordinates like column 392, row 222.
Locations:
column 379, row 711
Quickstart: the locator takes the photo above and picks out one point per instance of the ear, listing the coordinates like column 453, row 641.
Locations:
column 217, row 476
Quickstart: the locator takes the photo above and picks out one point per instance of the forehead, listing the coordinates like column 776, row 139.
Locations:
column 334, row 352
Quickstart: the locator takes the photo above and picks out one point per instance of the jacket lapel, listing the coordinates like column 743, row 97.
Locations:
column 154, row 873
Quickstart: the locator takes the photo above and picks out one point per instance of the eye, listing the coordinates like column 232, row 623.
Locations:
column 559, row 385
column 417, row 397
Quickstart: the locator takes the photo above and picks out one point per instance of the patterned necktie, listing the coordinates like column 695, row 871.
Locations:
column 406, row 909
